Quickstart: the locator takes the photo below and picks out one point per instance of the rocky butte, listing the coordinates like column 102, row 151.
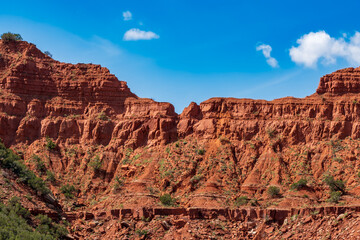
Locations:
column 124, row 167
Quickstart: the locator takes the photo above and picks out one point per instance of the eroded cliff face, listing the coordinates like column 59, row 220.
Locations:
column 120, row 150
column 80, row 103
column 42, row 97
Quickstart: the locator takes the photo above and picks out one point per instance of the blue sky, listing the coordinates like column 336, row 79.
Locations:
column 183, row 51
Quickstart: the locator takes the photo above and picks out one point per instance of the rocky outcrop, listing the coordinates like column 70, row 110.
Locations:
column 343, row 81
column 82, row 103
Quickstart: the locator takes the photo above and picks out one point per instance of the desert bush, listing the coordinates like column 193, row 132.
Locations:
column 196, row 178
column 15, row 206
column 50, row 176
column 47, row 226
column 118, row 183
column 335, row 197
column 95, row 163
column 68, row 190
column 254, row 202
column 201, row 151
column 240, row 201
column 39, row 164
column 142, row 233
column 11, row 37
column 50, row 145
column 273, row 191
column 14, row 224
column 103, row 116
column 167, row 200
column 9, row 160
column 335, row 185
column 298, row 185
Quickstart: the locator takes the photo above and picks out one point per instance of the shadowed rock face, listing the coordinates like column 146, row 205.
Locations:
column 207, row 156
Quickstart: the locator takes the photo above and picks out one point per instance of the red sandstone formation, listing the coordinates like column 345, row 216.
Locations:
column 122, row 152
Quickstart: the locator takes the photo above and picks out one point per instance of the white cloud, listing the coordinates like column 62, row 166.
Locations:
column 135, row 34
column 266, row 51
column 127, row 16
column 320, row 46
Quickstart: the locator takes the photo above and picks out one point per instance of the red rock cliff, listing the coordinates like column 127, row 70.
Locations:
column 43, row 97
column 74, row 103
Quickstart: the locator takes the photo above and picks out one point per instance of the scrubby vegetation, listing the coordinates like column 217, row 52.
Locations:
column 240, row 201
column 11, row 37
column 68, row 190
column 119, row 182
column 9, row 160
column 273, row 191
column 39, row 164
column 337, row 188
column 15, row 219
column 142, row 233
column 50, row 145
column 95, row 163
column 167, row 200
column 335, row 185
column 298, row 185
column 50, row 176
column 201, row 151
column 335, row 197
column 103, row 116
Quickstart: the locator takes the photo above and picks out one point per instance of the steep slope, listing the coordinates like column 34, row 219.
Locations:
column 120, row 151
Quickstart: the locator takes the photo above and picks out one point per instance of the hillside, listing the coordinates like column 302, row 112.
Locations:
column 226, row 168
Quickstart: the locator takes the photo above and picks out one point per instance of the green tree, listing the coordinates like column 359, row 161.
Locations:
column 11, row 37
column 273, row 191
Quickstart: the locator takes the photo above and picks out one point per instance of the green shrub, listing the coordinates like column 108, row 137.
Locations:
column 11, row 37
column 68, row 190
column 118, row 183
column 240, row 201
column 95, row 163
column 103, row 116
column 273, row 191
column 298, row 185
column 50, row 145
column 196, row 178
column 10, row 161
column 14, row 224
column 335, row 197
column 254, row 202
column 39, row 164
column 28, row 197
column 50, row 176
column 142, row 232
column 167, row 200
column 47, row 226
column 334, row 185
column 201, row 151
column 15, row 205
